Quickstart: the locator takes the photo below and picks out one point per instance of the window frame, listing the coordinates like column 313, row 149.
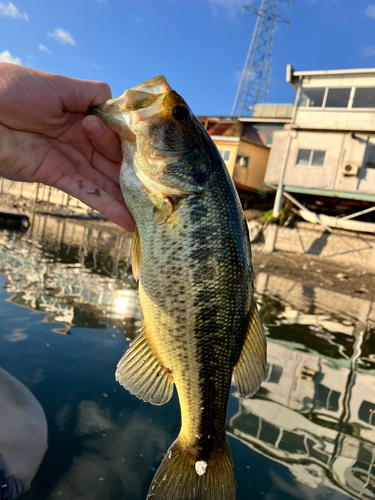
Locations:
column 310, row 164
column 241, row 166
column 359, row 108
column 223, row 155
column 349, row 107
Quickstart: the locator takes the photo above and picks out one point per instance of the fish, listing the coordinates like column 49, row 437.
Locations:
column 191, row 256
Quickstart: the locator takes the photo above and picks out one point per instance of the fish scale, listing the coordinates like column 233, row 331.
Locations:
column 191, row 254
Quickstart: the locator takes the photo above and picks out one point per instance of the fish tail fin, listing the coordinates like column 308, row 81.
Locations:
column 181, row 476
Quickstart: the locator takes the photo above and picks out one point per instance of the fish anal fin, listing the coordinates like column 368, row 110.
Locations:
column 136, row 254
column 181, row 476
column 143, row 374
column 250, row 369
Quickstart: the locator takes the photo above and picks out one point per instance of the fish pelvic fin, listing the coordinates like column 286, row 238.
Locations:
column 181, row 476
column 143, row 374
column 136, row 254
column 250, row 370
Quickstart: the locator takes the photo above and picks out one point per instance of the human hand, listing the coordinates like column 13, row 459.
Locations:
column 46, row 136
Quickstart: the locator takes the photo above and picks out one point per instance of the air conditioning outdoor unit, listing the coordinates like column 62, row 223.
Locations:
column 350, row 169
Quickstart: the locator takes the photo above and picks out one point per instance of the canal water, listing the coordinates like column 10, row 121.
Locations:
column 68, row 309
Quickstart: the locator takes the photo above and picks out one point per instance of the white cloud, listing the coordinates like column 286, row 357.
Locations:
column 136, row 18
column 62, row 36
column 368, row 51
column 232, row 7
column 44, row 48
column 11, row 10
column 7, row 57
column 370, row 11
column 96, row 66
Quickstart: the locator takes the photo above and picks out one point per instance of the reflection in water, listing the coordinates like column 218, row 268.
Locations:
column 310, row 430
column 315, row 412
column 79, row 276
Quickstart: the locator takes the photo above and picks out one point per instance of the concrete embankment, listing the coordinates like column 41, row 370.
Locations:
column 344, row 247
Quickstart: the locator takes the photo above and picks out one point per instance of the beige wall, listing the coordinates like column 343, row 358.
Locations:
column 340, row 148
column 252, row 176
column 337, row 119
column 229, row 146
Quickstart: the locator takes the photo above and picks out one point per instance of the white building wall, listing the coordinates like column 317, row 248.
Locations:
column 340, row 148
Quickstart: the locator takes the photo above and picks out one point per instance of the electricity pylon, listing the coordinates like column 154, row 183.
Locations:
column 254, row 82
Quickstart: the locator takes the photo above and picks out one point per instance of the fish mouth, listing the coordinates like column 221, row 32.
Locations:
column 116, row 116
column 139, row 103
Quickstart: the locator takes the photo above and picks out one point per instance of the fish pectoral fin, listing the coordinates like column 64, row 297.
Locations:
column 250, row 369
column 143, row 374
column 136, row 254
column 165, row 210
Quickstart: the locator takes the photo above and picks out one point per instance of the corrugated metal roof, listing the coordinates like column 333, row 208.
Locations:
column 219, row 128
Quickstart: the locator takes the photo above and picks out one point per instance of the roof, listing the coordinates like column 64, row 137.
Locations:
column 219, row 128
column 264, row 120
column 293, row 76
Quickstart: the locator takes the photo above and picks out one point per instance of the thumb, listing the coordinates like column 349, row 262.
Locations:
column 103, row 139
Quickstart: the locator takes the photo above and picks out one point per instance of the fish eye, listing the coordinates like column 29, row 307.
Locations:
column 181, row 113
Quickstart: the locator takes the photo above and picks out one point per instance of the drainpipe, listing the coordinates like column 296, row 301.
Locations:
column 279, row 193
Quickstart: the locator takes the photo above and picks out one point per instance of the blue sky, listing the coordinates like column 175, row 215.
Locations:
column 199, row 45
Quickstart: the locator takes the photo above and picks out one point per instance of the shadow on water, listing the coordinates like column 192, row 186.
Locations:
column 308, row 433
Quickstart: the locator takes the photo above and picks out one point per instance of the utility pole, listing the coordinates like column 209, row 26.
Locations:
column 254, row 82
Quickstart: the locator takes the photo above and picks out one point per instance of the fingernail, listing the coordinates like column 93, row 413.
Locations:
column 92, row 125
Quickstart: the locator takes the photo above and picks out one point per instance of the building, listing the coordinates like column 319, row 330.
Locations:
column 329, row 147
column 244, row 143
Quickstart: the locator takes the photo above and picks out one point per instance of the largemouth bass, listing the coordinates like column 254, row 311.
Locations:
column 191, row 254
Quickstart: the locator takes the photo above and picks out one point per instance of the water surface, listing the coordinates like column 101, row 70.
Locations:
column 68, row 308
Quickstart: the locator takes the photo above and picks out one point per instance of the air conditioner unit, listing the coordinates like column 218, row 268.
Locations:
column 350, row 169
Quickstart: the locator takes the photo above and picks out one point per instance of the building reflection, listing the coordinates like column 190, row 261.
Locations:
column 315, row 412
column 79, row 276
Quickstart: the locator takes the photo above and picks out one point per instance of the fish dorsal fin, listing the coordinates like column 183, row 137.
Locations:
column 250, row 369
column 143, row 374
column 136, row 254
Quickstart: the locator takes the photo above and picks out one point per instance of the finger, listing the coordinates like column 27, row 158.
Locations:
column 104, row 140
column 100, row 171
column 93, row 196
column 79, row 95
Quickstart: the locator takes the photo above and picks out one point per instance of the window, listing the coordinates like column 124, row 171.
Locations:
column 269, row 139
column 370, row 156
column 242, row 161
column 318, row 158
column 364, row 98
column 326, row 398
column 366, row 412
column 303, row 157
column 225, row 153
column 274, row 373
column 312, row 98
column 338, row 98
column 309, row 157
